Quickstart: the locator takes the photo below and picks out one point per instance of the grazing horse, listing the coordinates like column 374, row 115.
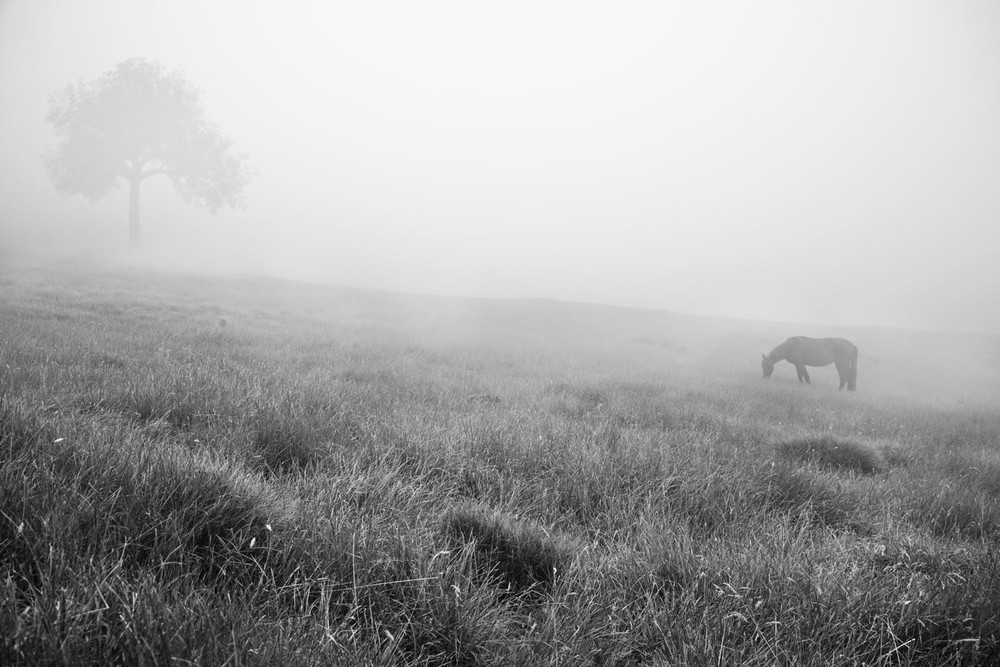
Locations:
column 802, row 351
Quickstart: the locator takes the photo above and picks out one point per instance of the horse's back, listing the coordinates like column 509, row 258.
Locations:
column 845, row 346
column 820, row 351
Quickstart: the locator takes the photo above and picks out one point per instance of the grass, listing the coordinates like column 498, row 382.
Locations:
column 828, row 452
column 256, row 472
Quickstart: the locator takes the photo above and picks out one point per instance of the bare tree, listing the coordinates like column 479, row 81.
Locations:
column 138, row 121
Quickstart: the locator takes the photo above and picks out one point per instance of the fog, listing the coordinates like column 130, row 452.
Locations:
column 832, row 163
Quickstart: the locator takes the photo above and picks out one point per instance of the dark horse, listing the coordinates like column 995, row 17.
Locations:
column 802, row 351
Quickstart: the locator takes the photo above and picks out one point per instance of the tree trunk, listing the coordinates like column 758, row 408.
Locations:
column 133, row 212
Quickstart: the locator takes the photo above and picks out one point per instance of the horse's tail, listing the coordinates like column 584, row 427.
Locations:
column 852, row 372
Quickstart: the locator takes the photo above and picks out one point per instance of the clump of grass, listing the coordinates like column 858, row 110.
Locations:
column 829, row 452
column 943, row 622
column 160, row 507
column 171, row 404
column 918, row 556
column 988, row 478
column 706, row 504
column 300, row 431
column 448, row 618
column 575, row 402
column 19, row 430
column 180, row 413
column 518, row 556
column 484, row 399
column 954, row 510
column 896, row 456
column 808, row 496
column 591, row 485
column 674, row 574
column 972, row 471
column 281, row 444
column 98, row 614
column 203, row 516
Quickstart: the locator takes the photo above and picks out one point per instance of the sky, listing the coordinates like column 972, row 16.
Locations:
column 812, row 162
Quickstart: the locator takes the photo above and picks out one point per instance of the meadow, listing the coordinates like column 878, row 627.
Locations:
column 243, row 471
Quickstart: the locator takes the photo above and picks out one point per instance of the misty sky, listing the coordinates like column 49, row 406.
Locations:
column 828, row 162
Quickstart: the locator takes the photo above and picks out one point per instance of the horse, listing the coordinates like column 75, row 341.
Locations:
column 802, row 351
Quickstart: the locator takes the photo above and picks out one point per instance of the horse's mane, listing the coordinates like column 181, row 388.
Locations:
column 777, row 353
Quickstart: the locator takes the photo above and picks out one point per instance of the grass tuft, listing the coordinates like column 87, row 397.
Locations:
column 829, row 452
column 19, row 430
column 282, row 445
column 954, row 510
column 516, row 555
column 807, row 496
column 575, row 402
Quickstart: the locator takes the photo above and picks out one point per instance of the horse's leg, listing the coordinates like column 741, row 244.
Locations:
column 842, row 370
column 852, row 372
column 803, row 374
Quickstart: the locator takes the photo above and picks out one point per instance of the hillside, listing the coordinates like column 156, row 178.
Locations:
column 949, row 368
column 253, row 471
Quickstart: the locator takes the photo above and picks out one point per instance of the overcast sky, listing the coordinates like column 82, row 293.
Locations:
column 828, row 162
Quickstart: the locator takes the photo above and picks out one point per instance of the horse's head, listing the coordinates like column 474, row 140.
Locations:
column 767, row 365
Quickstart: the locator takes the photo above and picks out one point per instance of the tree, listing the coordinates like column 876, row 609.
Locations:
column 138, row 121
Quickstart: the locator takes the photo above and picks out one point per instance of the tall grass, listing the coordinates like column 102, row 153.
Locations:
column 345, row 477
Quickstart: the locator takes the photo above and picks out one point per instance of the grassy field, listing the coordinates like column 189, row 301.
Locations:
column 244, row 471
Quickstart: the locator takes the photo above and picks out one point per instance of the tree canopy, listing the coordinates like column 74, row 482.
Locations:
column 137, row 121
